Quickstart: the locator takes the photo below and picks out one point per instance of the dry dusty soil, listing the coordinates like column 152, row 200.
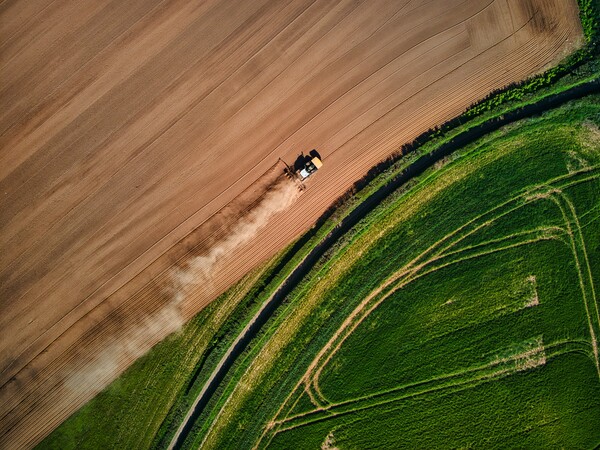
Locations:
column 127, row 127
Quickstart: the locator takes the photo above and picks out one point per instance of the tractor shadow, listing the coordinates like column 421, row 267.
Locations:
column 300, row 162
column 302, row 159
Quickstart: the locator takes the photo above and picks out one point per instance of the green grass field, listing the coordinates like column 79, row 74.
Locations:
column 462, row 314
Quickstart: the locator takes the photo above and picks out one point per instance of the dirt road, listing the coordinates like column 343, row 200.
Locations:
column 127, row 125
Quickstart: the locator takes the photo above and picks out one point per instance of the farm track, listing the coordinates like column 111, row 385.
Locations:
column 122, row 113
column 453, row 381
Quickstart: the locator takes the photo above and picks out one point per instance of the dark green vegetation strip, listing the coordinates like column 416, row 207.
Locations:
column 145, row 406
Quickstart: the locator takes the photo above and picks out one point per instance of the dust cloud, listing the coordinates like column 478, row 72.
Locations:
column 131, row 344
column 200, row 269
column 139, row 339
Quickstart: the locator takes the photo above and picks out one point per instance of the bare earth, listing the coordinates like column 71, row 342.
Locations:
column 126, row 125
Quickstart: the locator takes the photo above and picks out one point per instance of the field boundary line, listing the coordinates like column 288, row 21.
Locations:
column 559, row 198
column 585, row 255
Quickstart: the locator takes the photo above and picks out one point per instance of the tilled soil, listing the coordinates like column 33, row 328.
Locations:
column 135, row 135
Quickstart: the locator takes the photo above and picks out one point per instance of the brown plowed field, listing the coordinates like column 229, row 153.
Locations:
column 126, row 125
